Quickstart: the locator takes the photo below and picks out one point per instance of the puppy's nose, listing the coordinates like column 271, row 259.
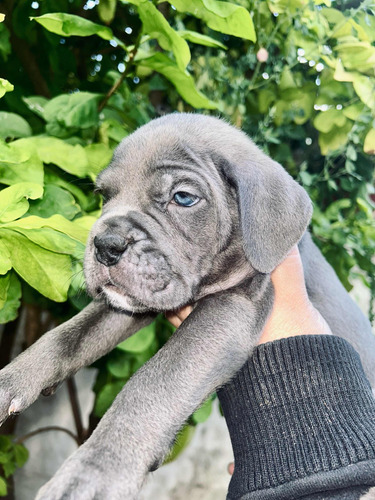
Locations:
column 108, row 248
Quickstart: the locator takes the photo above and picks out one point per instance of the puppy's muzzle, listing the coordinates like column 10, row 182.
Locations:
column 109, row 247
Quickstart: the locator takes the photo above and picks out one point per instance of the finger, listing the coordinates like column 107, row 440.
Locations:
column 231, row 468
column 172, row 317
column 177, row 317
column 184, row 312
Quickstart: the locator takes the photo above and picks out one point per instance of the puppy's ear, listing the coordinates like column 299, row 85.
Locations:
column 274, row 210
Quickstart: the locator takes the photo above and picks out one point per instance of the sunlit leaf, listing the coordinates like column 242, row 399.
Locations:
column 20, row 163
column 5, row 86
column 106, row 10
column 183, row 82
column 369, row 144
column 65, row 24
column 47, row 272
column 140, row 341
column 220, row 16
column 13, row 200
column 325, row 121
column 9, row 308
column 13, row 126
column 156, row 26
column 200, row 39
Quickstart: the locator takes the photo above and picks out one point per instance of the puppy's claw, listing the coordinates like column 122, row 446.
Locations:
column 14, row 408
column 49, row 391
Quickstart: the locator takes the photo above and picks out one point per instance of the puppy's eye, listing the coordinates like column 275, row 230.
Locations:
column 185, row 199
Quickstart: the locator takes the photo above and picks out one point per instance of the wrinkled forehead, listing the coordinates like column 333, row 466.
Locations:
column 142, row 155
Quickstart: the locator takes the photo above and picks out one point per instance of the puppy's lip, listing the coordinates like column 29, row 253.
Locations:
column 127, row 301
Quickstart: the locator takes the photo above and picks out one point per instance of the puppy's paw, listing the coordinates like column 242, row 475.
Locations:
column 19, row 388
column 86, row 476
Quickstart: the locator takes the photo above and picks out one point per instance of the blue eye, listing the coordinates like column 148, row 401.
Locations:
column 185, row 199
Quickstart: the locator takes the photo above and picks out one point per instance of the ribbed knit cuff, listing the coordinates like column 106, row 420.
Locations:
column 300, row 406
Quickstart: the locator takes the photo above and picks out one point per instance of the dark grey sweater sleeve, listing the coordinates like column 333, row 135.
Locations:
column 301, row 416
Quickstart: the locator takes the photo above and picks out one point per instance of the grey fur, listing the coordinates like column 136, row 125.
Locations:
column 216, row 254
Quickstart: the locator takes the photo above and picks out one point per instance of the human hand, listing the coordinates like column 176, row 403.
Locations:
column 292, row 314
column 177, row 317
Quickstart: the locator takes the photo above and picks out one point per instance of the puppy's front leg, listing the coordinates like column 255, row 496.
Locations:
column 136, row 433
column 62, row 352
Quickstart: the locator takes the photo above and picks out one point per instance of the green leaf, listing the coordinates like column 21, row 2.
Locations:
column 182, row 441
column 69, row 25
column 9, row 468
column 72, row 159
column 5, row 262
column 198, row 38
column 13, row 200
column 20, row 163
column 77, row 230
column 119, row 364
column 369, row 144
column 140, row 341
column 4, row 285
column 296, row 105
column 21, row 455
column 5, row 47
column 36, row 104
column 78, row 110
column 325, row 121
column 55, row 201
column 3, row 487
column 5, row 443
column 5, row 86
column 202, row 414
column 106, row 10
column 365, row 89
column 13, row 126
column 356, row 55
column 112, row 129
column 354, row 110
column 9, row 310
column 220, row 16
column 106, row 397
column 156, row 26
column 98, row 155
column 335, row 139
column 183, row 82
column 47, row 272
column 86, row 201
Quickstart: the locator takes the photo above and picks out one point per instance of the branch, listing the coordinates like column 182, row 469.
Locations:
column 29, row 63
column 74, row 403
column 128, row 68
column 21, row 439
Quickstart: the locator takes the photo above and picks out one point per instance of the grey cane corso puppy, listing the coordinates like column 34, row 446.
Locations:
column 194, row 213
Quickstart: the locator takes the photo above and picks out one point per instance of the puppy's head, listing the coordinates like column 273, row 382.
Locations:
column 191, row 206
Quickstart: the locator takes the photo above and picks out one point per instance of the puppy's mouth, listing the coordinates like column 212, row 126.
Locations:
column 118, row 299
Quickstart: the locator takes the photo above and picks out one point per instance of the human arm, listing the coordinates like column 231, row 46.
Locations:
column 300, row 412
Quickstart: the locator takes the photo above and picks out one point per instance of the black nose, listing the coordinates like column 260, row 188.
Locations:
column 108, row 248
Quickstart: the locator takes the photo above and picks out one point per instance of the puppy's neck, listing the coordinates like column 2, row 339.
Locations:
column 232, row 278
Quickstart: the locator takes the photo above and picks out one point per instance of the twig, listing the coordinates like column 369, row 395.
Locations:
column 74, row 403
column 128, row 68
column 21, row 439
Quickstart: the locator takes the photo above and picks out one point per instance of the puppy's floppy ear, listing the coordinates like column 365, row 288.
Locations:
column 274, row 210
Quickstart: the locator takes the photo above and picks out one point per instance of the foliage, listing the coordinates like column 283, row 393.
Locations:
column 297, row 76
column 12, row 456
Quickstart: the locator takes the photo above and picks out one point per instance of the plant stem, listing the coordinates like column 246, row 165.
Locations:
column 72, row 390
column 128, row 68
column 21, row 439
